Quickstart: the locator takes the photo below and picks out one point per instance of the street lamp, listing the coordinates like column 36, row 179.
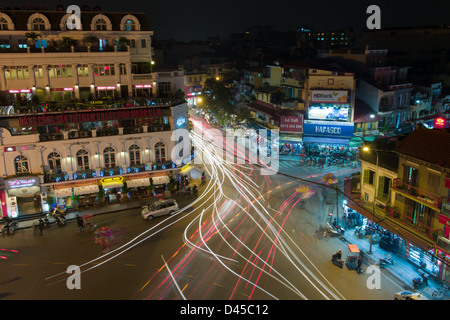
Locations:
column 367, row 149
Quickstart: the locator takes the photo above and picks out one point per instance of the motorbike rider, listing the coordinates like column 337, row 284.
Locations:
column 194, row 190
column 337, row 255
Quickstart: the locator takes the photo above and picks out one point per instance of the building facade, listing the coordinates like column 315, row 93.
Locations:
column 78, row 156
column 108, row 55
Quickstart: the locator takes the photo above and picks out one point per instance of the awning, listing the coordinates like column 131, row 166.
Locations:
column 138, row 183
column 92, row 188
column 61, row 193
column 27, row 191
column 160, row 180
column 353, row 248
column 325, row 140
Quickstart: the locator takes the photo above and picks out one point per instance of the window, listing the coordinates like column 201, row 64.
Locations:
column 3, row 24
column 54, row 162
column 5, row 44
column 104, row 70
column 22, row 43
column 160, row 152
column 38, row 24
column 17, row 72
column 143, row 43
column 100, row 25
column 123, row 69
column 22, row 165
column 109, row 155
column 60, row 71
column 369, row 177
column 83, row 70
column 135, row 154
column 41, row 43
column 82, row 160
column 38, row 72
column 130, row 25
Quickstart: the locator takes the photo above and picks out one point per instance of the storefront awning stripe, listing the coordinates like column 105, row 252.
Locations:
column 138, row 183
column 325, row 140
column 112, row 185
column 160, row 180
column 60, row 193
column 85, row 190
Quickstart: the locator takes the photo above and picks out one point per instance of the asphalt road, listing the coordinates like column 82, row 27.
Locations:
column 245, row 237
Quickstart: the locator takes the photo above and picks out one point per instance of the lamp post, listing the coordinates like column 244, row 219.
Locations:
column 375, row 183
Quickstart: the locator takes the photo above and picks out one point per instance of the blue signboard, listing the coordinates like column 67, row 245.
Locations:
column 328, row 129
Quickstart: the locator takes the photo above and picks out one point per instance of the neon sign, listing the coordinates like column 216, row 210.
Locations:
column 21, row 183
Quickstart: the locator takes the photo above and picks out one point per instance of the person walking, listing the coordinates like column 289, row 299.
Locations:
column 80, row 223
column 41, row 227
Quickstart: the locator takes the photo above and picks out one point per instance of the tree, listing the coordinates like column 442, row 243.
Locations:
column 67, row 42
column 217, row 98
column 90, row 39
column 32, row 37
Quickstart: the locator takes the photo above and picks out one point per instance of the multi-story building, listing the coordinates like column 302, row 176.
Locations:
column 330, row 101
column 108, row 55
column 406, row 189
column 53, row 157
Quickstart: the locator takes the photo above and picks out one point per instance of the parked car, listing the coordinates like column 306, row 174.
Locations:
column 409, row 295
column 160, row 208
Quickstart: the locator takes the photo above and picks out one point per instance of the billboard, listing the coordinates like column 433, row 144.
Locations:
column 326, row 96
column 291, row 124
column 328, row 112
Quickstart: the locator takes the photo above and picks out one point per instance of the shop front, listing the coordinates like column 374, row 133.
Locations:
column 86, row 194
column 23, row 196
column 290, row 138
column 426, row 260
column 112, row 188
column 159, row 184
column 138, row 187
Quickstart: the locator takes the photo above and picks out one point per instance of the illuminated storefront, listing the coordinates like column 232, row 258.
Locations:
column 23, row 196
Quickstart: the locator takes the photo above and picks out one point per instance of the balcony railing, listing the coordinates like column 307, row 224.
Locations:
column 417, row 193
column 420, row 227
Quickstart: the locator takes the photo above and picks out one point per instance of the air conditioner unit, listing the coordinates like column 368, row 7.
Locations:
column 83, row 134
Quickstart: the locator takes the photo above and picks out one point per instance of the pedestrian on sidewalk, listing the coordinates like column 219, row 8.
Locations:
column 41, row 227
column 359, row 264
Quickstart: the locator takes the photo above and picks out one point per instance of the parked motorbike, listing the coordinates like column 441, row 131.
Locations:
column 337, row 261
column 420, row 281
column 384, row 262
column 9, row 228
column 335, row 231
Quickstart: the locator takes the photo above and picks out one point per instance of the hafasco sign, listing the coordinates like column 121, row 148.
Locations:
column 22, row 183
column 328, row 129
column 323, row 96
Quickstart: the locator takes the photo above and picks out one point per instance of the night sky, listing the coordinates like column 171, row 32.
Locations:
column 184, row 20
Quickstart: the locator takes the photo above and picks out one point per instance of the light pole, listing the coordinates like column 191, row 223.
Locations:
column 375, row 182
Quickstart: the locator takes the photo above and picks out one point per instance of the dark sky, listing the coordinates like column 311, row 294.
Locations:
column 185, row 20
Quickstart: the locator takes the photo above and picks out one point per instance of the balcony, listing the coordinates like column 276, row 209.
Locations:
column 416, row 225
column 428, row 199
column 51, row 136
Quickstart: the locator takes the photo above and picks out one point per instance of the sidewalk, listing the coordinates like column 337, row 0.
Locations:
column 402, row 269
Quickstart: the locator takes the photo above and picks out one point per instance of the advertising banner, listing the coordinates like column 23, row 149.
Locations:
column 329, row 129
column 324, row 96
column 291, row 124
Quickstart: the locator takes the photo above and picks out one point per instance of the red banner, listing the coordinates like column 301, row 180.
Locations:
column 291, row 124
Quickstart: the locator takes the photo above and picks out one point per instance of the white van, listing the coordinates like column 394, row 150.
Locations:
column 159, row 208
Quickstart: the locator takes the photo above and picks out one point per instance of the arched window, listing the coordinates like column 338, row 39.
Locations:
column 54, row 162
column 82, row 160
column 22, row 164
column 3, row 24
column 130, row 25
column 38, row 24
column 100, row 24
column 135, row 154
column 109, row 154
column 160, row 152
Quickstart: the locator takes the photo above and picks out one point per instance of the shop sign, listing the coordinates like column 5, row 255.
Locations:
column 20, row 91
column 106, row 88
column 291, row 124
column 111, row 180
column 328, row 129
column 181, row 121
column 324, row 96
column 91, row 116
column 140, row 86
column 24, row 182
